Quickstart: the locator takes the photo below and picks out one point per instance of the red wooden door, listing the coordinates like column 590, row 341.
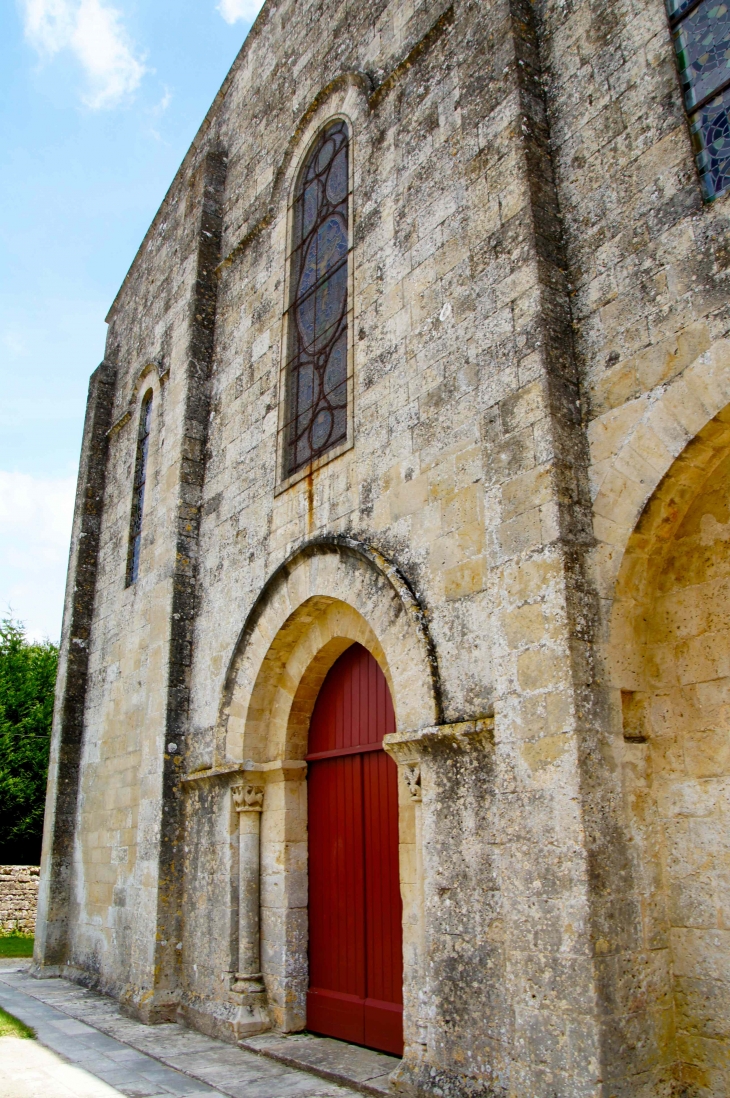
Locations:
column 355, row 940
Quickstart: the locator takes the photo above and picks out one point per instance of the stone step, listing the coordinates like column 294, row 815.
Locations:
column 359, row 1068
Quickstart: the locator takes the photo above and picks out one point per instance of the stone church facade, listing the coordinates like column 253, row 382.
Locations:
column 481, row 431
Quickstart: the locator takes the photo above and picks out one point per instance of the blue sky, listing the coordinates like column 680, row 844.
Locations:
column 99, row 100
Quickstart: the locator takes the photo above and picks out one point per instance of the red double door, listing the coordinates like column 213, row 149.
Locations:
column 355, row 938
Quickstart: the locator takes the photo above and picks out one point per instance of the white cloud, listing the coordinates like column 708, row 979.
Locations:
column 93, row 32
column 48, row 24
column 35, row 532
column 234, row 11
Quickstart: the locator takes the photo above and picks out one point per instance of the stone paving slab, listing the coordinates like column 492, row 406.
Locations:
column 28, row 1070
column 148, row 1061
column 129, row 1072
column 335, row 1060
column 13, row 962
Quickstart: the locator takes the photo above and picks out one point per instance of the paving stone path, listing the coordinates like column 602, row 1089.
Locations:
column 89, row 1032
column 29, row 1070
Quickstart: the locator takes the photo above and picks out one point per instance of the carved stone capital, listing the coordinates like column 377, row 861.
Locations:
column 248, row 798
column 412, row 775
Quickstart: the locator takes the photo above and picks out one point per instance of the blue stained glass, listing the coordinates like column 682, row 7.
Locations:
column 306, row 388
column 710, row 129
column 306, row 318
column 676, row 7
column 325, row 250
column 325, row 155
column 310, row 206
column 335, row 374
column 337, row 178
column 317, row 367
column 319, row 312
column 702, row 42
column 331, row 297
column 321, row 428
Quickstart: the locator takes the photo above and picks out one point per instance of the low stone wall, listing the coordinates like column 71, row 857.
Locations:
column 18, row 897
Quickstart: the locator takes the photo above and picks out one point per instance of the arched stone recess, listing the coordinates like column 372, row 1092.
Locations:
column 634, row 446
column 667, row 663
column 329, row 594
column 151, row 376
column 344, row 97
column 650, row 543
column 332, row 589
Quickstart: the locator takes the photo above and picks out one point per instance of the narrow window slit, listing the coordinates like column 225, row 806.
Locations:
column 140, row 477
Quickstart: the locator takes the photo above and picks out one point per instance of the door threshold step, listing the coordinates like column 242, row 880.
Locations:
column 359, row 1068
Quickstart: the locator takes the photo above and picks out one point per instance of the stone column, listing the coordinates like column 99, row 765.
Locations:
column 247, row 985
column 410, row 769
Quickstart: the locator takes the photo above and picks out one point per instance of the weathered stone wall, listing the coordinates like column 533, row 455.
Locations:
column 462, row 472
column 647, row 262
column 18, row 897
column 538, row 307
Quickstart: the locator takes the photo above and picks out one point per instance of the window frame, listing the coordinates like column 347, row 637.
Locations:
column 287, row 480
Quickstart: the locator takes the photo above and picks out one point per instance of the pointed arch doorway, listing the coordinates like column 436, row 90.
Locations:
column 355, row 912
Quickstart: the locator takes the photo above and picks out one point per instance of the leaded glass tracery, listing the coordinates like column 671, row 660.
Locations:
column 701, row 31
column 140, row 478
column 316, row 368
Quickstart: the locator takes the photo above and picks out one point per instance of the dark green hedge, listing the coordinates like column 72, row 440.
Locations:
column 27, row 680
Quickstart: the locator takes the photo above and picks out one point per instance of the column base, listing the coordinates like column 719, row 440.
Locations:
column 228, row 1020
column 252, row 1017
column 249, row 995
column 243, row 984
column 46, row 972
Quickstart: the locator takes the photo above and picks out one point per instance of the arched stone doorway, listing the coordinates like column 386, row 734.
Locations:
column 670, row 659
column 328, row 596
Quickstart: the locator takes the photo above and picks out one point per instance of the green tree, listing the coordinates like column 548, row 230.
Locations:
column 27, row 680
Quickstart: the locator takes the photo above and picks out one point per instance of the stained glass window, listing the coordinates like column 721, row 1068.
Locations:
column 140, row 476
column 316, row 368
column 701, row 32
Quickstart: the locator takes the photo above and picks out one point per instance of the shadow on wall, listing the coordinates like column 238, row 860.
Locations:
column 670, row 647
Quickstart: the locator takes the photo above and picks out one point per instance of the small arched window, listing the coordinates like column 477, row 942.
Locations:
column 140, row 477
column 316, row 366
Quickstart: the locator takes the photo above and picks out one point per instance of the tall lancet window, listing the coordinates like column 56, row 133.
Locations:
column 140, row 477
column 701, row 33
column 315, row 418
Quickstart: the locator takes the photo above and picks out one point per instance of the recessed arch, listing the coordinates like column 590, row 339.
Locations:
column 149, row 376
column 348, row 95
column 634, row 447
column 668, row 664
column 329, row 593
column 651, row 540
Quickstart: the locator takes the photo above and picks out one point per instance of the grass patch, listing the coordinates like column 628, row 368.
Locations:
column 16, row 945
column 12, row 1027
